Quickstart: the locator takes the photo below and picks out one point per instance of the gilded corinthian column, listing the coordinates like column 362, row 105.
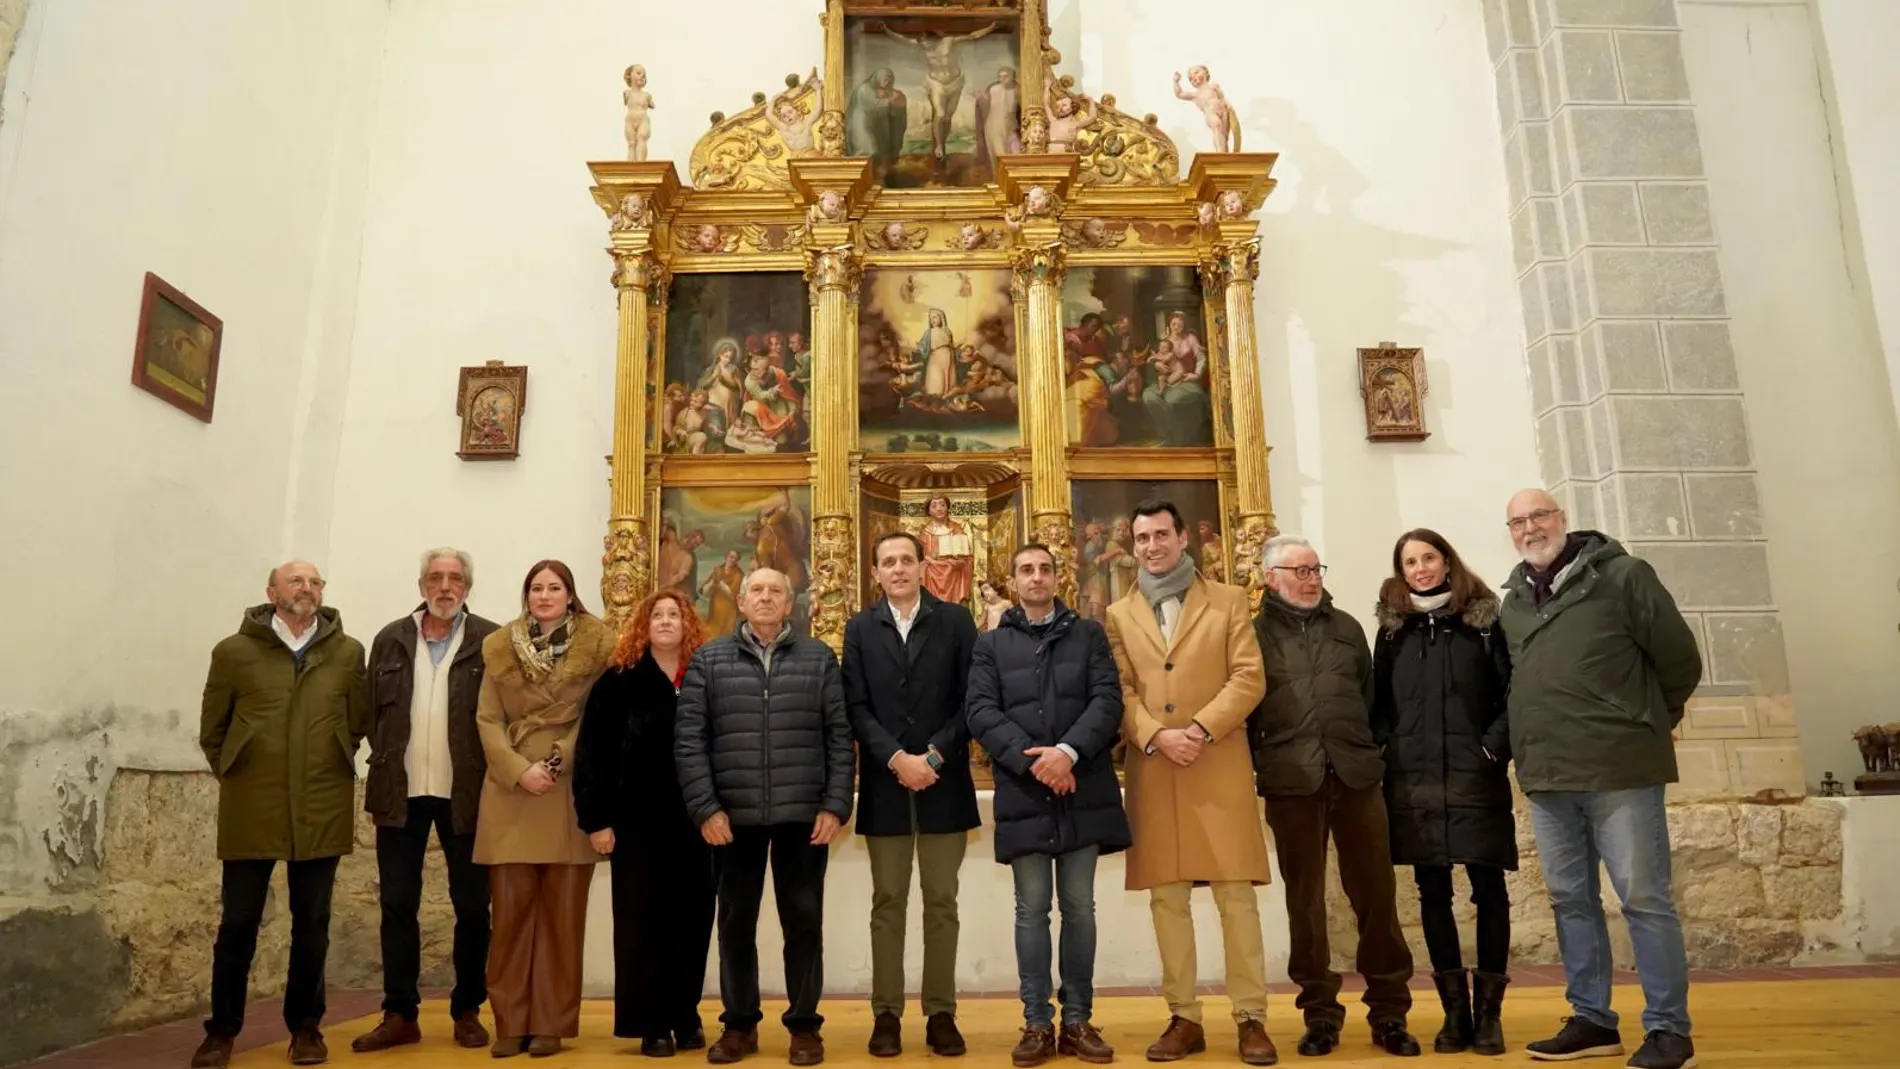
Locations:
column 1039, row 271
column 627, row 566
column 834, row 274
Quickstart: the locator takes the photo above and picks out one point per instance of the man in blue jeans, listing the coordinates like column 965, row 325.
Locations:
column 1045, row 701
column 1602, row 663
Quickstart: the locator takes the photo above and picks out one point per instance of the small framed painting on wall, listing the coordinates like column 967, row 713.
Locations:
column 176, row 355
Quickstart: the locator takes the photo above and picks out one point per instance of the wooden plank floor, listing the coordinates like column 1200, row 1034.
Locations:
column 1806, row 1023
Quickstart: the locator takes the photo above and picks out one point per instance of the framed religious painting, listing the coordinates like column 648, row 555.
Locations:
column 937, row 362
column 490, row 400
column 175, row 357
column 738, row 365
column 711, row 536
column 1135, row 358
column 1392, row 385
column 933, row 97
column 1105, row 563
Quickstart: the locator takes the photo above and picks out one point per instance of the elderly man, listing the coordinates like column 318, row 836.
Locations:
column 284, row 711
column 425, row 771
column 765, row 763
column 905, row 662
column 1602, row 664
column 1316, row 764
column 1190, row 676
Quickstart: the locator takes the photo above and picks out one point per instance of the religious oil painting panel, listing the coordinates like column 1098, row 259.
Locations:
column 738, row 364
column 933, row 99
column 176, row 355
column 1105, row 561
column 710, row 537
column 1135, row 356
column 937, row 362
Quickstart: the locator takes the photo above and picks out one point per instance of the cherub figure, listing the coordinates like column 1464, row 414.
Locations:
column 1222, row 120
column 639, row 102
column 795, row 128
column 1069, row 115
column 634, row 213
column 831, row 133
column 1038, row 201
column 828, row 208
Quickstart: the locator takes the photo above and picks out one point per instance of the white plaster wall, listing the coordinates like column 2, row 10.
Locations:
column 1817, row 397
column 221, row 146
column 1389, row 224
column 482, row 243
column 1870, row 872
column 1857, row 41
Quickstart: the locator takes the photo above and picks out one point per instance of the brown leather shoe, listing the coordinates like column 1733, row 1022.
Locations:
column 732, row 1045
column 1182, row 1038
column 1038, row 1045
column 213, row 1053
column 394, row 1030
column 887, row 1037
column 1256, row 1048
column 306, row 1047
column 942, row 1037
column 808, row 1048
column 543, row 1046
column 509, row 1046
column 1084, row 1042
column 469, row 1031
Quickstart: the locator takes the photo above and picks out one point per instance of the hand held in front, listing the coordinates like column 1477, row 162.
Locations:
column 825, row 828
column 717, row 831
column 1177, row 745
column 913, row 771
column 537, row 779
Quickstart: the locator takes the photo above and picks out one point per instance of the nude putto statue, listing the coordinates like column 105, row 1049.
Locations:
column 1222, row 120
column 639, row 102
column 794, row 128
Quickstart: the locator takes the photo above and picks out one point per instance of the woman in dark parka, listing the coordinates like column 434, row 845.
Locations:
column 1440, row 674
column 627, row 798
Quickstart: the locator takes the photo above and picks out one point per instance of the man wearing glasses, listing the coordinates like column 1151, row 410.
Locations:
column 285, row 706
column 1602, row 664
column 1316, row 764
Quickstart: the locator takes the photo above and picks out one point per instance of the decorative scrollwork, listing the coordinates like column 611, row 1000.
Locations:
column 833, row 563
column 1040, row 263
column 745, row 152
column 638, row 270
column 1054, row 529
column 626, row 567
column 830, row 130
column 897, row 237
column 706, row 238
column 1094, row 233
column 1119, row 149
column 776, row 237
column 836, row 268
column 1251, row 531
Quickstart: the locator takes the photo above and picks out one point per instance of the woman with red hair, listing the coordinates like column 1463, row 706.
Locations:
column 627, row 798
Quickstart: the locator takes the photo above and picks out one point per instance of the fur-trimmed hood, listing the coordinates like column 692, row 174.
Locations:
column 1480, row 613
column 589, row 646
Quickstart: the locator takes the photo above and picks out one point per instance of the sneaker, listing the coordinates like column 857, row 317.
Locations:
column 1664, row 1050
column 1579, row 1039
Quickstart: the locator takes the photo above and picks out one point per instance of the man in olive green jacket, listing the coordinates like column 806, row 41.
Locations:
column 1602, row 663
column 285, row 706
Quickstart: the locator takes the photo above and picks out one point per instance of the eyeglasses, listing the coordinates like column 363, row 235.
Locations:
column 1304, row 571
column 298, row 582
column 1537, row 517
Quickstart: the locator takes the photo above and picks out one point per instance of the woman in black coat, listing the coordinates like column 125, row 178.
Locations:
column 627, row 798
column 1440, row 674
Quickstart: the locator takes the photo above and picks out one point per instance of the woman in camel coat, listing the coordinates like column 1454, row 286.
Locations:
column 537, row 673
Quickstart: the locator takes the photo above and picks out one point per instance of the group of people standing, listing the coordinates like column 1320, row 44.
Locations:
column 695, row 765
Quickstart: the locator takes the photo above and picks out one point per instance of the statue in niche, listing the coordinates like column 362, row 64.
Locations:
column 1222, row 120
column 1069, row 115
column 949, row 553
column 639, row 102
column 943, row 80
column 795, row 128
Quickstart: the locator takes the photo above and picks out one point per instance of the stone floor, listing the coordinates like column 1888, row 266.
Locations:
column 170, row 1046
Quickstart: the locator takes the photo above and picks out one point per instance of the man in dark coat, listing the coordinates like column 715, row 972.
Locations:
column 765, row 762
column 905, row 662
column 1045, row 702
column 284, row 711
column 1318, row 767
column 425, row 771
column 1602, row 665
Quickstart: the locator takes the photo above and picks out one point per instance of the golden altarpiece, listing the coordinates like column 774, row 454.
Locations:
column 933, row 288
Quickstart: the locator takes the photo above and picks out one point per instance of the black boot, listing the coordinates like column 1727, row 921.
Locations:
column 1454, row 993
column 1487, row 1035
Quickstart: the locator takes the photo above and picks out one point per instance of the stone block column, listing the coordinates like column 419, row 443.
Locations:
column 1640, row 425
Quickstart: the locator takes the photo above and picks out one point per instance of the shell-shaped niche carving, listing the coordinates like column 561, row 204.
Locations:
column 1118, row 149
column 747, row 151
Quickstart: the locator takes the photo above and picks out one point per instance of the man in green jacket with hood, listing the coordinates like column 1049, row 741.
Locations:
column 285, row 706
column 1602, row 664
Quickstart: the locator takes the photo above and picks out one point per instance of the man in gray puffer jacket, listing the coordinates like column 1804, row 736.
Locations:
column 765, row 762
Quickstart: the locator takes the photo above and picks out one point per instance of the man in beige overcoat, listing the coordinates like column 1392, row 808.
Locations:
column 1190, row 672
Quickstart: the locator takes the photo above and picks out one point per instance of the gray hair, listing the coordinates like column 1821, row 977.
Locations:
column 439, row 552
column 1275, row 550
column 785, row 581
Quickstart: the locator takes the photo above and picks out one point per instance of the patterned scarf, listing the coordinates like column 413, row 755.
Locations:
column 537, row 650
